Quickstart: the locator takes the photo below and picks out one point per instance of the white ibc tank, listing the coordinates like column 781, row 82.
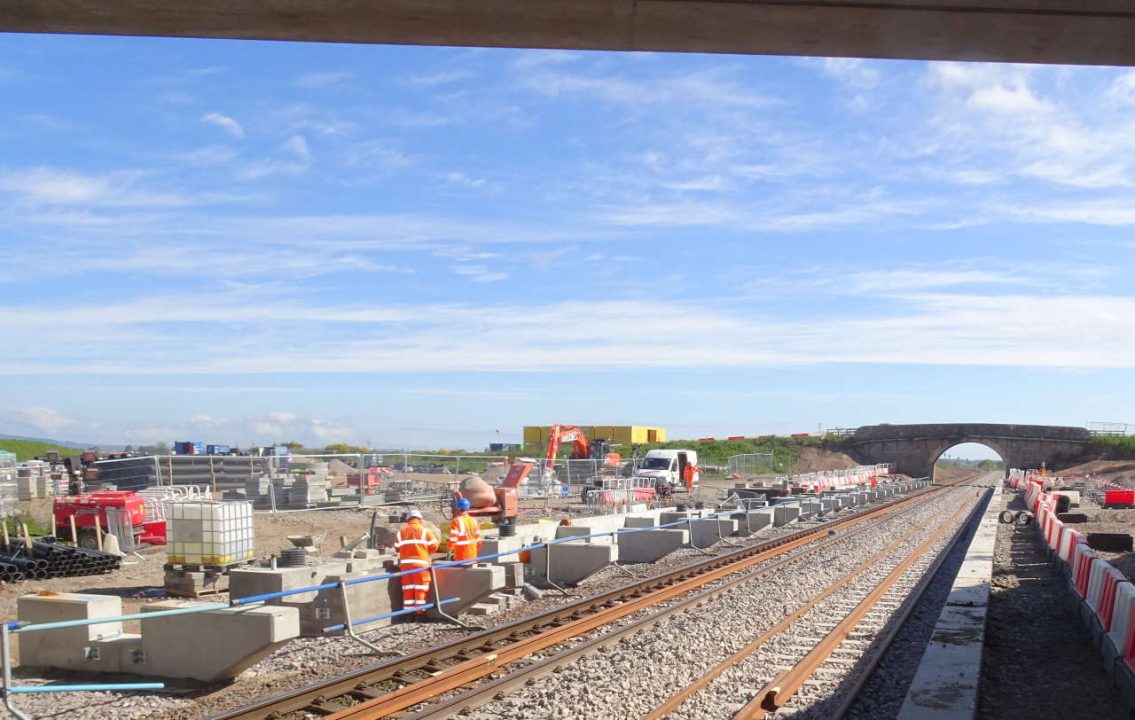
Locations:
column 210, row 533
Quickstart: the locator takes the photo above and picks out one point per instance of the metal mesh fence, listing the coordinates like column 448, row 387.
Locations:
column 750, row 465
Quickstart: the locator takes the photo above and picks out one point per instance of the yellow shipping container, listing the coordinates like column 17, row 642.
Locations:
column 619, row 434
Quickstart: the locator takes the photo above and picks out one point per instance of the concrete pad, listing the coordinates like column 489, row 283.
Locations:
column 945, row 686
column 471, row 583
column 571, row 562
column 66, row 648
column 645, row 547
column 215, row 645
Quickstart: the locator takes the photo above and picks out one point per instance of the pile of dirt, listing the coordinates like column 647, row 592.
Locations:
column 1117, row 471
column 813, row 459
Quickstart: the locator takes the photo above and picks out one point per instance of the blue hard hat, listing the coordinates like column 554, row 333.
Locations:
column 462, row 504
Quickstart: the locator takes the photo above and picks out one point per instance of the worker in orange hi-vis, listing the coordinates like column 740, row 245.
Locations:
column 689, row 477
column 464, row 533
column 415, row 543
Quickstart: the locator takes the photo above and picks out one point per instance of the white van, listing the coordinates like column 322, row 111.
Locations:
column 668, row 468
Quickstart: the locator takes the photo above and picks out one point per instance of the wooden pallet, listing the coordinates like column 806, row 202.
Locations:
column 194, row 583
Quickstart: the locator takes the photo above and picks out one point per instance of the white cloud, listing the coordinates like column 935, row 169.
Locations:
column 1122, row 89
column 695, row 89
column 226, row 123
column 439, row 78
column 258, row 169
column 1015, row 99
column 56, row 186
column 44, row 420
column 915, row 327
column 297, row 146
column 856, row 73
column 460, row 178
column 322, row 80
column 480, row 273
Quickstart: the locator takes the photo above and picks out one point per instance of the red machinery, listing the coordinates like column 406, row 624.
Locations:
column 566, row 433
column 582, row 450
column 89, row 512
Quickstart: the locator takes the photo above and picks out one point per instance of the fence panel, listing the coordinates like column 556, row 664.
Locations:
column 118, row 525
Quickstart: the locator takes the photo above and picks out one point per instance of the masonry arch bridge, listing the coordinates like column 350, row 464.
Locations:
column 915, row 448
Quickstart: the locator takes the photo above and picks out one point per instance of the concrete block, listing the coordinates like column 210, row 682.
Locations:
column 753, row 521
column 513, row 574
column 67, row 649
column 640, row 522
column 319, row 609
column 510, row 545
column 214, row 645
column 537, row 532
column 709, row 531
column 570, row 563
column 673, row 516
column 471, row 583
column 784, row 514
column 646, row 547
column 583, row 532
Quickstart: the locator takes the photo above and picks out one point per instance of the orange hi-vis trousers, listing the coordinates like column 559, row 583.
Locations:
column 415, row 543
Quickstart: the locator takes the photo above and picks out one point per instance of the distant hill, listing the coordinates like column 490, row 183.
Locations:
column 27, row 448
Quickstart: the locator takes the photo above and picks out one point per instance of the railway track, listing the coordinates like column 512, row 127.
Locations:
column 455, row 677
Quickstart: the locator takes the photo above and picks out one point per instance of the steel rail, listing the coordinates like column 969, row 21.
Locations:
column 675, row 701
column 778, row 691
column 526, row 675
column 884, row 641
column 359, row 684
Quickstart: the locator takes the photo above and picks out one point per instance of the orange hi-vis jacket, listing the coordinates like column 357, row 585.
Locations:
column 415, row 543
column 464, row 537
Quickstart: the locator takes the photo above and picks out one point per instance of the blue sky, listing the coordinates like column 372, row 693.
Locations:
column 248, row 242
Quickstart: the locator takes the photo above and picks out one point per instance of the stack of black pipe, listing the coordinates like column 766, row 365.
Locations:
column 49, row 560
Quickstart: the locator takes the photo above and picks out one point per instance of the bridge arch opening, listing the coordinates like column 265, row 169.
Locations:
column 966, row 458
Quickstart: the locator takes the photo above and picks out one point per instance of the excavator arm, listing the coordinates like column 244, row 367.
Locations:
column 566, row 433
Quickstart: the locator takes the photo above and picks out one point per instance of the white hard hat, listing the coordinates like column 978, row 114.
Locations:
column 414, row 513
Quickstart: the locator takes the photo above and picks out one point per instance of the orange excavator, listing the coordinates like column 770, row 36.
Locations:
column 582, row 450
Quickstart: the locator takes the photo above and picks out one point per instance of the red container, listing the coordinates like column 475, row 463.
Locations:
column 1119, row 497
column 154, row 532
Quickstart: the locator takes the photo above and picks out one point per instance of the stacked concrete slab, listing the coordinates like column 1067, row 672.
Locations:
column 212, row 645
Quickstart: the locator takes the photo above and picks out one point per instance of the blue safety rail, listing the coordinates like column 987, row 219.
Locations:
column 25, row 689
column 384, row 616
